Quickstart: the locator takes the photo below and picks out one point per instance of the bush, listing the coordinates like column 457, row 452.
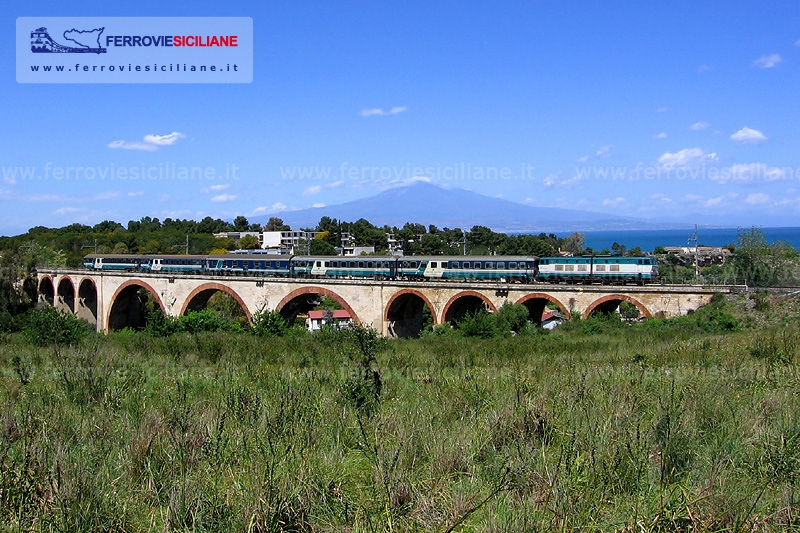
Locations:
column 269, row 324
column 54, row 326
column 480, row 324
column 511, row 317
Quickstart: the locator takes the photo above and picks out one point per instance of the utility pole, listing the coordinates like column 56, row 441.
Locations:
column 184, row 246
column 90, row 246
column 696, row 254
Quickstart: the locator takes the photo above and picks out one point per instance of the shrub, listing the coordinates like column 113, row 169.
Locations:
column 269, row 324
column 55, row 326
column 511, row 317
column 480, row 324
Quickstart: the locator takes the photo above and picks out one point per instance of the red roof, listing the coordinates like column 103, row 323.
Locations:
column 319, row 315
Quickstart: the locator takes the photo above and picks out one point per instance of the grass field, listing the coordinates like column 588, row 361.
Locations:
column 690, row 424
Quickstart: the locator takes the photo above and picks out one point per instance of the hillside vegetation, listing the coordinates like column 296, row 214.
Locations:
column 687, row 424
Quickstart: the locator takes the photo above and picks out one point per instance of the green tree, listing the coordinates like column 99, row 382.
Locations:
column 249, row 242
column 761, row 264
column 276, row 224
column 240, row 223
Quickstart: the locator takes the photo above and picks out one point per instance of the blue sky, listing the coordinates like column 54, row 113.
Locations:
column 679, row 111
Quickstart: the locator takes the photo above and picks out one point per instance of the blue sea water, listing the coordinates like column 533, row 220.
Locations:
column 647, row 240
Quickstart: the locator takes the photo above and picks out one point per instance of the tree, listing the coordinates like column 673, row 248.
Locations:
column 249, row 242
column 618, row 249
column 276, row 224
column 761, row 264
column 240, row 223
column 574, row 243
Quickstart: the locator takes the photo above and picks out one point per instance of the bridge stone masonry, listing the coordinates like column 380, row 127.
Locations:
column 113, row 300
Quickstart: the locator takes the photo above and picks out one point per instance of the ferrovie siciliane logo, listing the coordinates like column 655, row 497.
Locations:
column 82, row 41
column 135, row 50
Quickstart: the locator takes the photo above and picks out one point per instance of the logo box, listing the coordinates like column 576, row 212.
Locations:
column 134, row 49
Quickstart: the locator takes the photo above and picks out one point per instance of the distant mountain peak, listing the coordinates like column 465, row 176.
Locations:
column 429, row 203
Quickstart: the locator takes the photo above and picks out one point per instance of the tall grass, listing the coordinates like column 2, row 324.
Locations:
column 661, row 426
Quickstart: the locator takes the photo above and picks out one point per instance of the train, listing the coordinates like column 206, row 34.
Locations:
column 524, row 269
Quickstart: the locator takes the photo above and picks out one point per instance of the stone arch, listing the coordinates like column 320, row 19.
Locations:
column 454, row 311
column 66, row 294
column 536, row 302
column 610, row 302
column 403, row 313
column 205, row 291
column 290, row 313
column 47, row 290
column 115, row 314
column 86, row 307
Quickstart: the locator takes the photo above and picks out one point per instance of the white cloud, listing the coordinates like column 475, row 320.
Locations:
column 757, row 198
column 752, row 172
column 224, row 198
column 711, row 202
column 604, row 151
column 797, row 43
column 583, row 159
column 614, row 202
column 768, row 61
column 697, row 126
column 662, row 109
column 274, row 208
column 218, row 187
column 67, row 210
column 314, row 189
column 703, row 68
column 151, row 142
column 164, row 140
column 318, row 205
column 661, row 197
column 409, row 181
column 662, row 135
column 377, row 111
column 748, row 136
column 125, row 145
column 110, row 195
column 686, row 157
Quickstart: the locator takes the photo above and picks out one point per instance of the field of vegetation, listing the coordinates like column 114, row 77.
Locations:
column 689, row 424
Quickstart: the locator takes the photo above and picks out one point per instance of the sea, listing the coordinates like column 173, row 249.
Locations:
column 647, row 240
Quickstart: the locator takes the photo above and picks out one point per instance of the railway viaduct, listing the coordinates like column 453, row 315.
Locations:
column 113, row 300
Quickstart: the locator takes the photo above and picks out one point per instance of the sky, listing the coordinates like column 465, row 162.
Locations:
column 676, row 112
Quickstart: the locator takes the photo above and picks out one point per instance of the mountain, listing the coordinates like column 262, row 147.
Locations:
column 458, row 208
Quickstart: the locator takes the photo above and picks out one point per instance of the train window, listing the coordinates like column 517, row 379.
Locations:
column 455, row 264
column 569, row 268
column 361, row 264
column 583, row 268
column 476, row 265
column 647, row 262
column 512, row 265
column 559, row 267
column 501, row 265
column 370, row 264
column 640, row 261
column 600, row 268
column 490, row 265
column 433, row 264
column 613, row 268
